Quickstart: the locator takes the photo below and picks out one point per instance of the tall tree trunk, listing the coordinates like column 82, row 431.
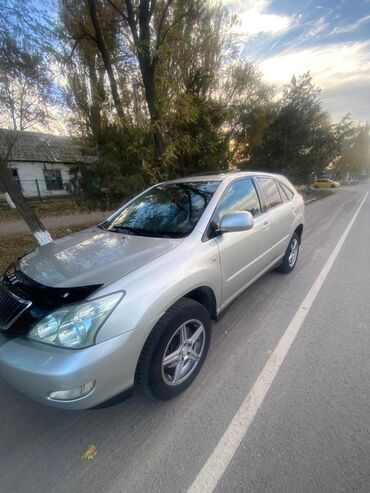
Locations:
column 147, row 72
column 142, row 43
column 106, row 59
column 96, row 102
column 9, row 186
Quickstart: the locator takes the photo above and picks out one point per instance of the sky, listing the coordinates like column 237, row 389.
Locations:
column 328, row 38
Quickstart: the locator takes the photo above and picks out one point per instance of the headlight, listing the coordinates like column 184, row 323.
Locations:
column 75, row 326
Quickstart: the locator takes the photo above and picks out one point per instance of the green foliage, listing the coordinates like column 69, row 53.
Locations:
column 299, row 140
column 168, row 105
column 250, row 110
column 353, row 149
column 118, row 172
column 196, row 135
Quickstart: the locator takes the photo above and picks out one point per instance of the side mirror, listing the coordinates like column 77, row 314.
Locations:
column 236, row 221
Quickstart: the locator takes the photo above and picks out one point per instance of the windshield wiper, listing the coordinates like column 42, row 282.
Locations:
column 144, row 232
column 126, row 229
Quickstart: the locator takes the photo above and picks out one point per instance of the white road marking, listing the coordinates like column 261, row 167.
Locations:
column 214, row 468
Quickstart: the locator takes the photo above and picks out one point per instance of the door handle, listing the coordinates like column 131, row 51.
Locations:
column 292, row 210
column 266, row 226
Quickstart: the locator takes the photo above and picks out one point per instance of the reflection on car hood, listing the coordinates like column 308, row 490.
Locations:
column 93, row 256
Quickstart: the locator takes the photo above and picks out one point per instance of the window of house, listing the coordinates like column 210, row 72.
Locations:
column 240, row 196
column 15, row 173
column 270, row 192
column 53, row 179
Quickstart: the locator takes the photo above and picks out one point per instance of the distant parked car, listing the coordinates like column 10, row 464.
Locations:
column 326, row 183
column 130, row 302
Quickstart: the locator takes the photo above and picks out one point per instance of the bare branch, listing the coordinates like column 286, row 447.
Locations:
column 153, row 6
column 163, row 16
column 117, row 9
column 161, row 39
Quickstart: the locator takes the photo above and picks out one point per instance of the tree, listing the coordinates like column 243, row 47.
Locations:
column 24, row 94
column 24, row 87
column 300, row 138
column 90, row 23
column 194, row 112
column 155, row 29
column 362, row 149
column 353, row 149
column 179, row 99
column 249, row 101
column 138, row 19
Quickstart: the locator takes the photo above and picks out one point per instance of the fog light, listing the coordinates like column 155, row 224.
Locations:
column 76, row 393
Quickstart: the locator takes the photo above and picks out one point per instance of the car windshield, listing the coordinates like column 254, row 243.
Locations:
column 167, row 210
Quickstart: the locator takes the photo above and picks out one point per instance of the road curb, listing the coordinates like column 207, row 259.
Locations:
column 310, row 200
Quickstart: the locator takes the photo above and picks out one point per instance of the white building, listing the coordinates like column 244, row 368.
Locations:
column 41, row 162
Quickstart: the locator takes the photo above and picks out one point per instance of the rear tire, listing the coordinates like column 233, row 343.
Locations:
column 175, row 351
column 291, row 255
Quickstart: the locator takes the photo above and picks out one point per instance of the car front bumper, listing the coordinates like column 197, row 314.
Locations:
column 37, row 369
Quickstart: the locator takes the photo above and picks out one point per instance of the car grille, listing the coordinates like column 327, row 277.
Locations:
column 11, row 307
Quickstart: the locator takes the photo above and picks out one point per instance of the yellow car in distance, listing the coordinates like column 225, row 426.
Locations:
column 326, row 183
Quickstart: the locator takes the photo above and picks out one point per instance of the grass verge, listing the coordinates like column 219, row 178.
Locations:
column 44, row 208
column 316, row 195
column 15, row 245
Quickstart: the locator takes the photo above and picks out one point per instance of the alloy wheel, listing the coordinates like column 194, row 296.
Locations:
column 183, row 352
column 293, row 252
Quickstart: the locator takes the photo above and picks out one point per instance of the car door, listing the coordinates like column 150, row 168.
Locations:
column 278, row 218
column 287, row 211
column 241, row 253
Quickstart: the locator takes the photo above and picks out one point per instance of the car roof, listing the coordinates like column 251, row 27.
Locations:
column 221, row 176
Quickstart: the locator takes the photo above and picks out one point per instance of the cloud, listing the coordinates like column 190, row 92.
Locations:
column 331, row 65
column 351, row 98
column 351, row 27
column 286, row 45
column 341, row 70
column 254, row 18
column 317, row 28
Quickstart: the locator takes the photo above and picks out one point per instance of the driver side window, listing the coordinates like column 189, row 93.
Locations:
column 240, row 196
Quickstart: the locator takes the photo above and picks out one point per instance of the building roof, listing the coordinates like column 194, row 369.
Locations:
column 46, row 148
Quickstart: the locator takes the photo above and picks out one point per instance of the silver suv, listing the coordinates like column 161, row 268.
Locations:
column 129, row 303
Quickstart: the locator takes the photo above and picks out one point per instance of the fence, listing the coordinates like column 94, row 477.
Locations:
column 44, row 188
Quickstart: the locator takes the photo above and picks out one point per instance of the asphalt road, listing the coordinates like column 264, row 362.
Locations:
column 311, row 432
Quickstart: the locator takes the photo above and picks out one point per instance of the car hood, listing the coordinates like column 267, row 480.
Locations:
column 91, row 257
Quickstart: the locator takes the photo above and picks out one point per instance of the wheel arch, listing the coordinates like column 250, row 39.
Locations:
column 206, row 297
column 299, row 231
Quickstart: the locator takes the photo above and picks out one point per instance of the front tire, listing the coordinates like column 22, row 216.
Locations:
column 291, row 255
column 175, row 350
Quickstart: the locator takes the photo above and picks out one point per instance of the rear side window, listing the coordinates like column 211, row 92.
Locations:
column 288, row 191
column 240, row 196
column 270, row 192
column 285, row 192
